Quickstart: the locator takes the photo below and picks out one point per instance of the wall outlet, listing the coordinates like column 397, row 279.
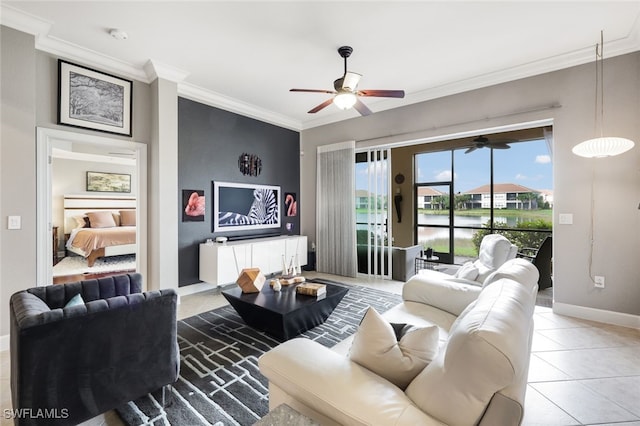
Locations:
column 599, row 281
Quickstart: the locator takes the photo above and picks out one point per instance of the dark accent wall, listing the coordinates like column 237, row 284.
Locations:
column 210, row 140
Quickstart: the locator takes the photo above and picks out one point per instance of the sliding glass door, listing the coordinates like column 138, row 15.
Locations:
column 373, row 182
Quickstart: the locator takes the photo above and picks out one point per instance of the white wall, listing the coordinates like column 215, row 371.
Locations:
column 17, row 166
column 617, row 179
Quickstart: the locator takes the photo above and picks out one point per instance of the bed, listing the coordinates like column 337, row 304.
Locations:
column 100, row 226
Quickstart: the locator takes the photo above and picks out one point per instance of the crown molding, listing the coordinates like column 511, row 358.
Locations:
column 25, row 22
column 198, row 94
column 155, row 69
column 91, row 58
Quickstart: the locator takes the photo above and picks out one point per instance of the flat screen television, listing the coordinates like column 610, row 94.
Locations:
column 244, row 207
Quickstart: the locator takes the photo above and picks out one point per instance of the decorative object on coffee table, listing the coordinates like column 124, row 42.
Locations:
column 251, row 280
column 289, row 279
column 312, row 289
column 275, row 284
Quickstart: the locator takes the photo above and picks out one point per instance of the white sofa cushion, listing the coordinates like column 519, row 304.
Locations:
column 467, row 271
column 323, row 381
column 517, row 269
column 494, row 250
column 488, row 349
column 396, row 353
column 441, row 290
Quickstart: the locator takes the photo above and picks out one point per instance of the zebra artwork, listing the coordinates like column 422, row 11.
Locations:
column 263, row 211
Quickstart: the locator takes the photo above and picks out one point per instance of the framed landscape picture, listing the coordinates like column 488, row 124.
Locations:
column 93, row 100
column 108, row 182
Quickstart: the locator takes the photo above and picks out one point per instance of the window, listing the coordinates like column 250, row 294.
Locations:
column 463, row 196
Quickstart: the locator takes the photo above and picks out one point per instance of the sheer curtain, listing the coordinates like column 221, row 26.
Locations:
column 335, row 210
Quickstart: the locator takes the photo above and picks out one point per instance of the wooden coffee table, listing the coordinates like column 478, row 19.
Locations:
column 284, row 314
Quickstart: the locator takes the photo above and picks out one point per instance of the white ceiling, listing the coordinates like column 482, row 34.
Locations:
column 245, row 56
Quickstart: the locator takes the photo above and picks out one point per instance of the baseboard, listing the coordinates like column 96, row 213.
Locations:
column 4, row 343
column 599, row 315
column 195, row 288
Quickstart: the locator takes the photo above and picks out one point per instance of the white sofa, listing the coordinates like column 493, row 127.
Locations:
column 478, row 377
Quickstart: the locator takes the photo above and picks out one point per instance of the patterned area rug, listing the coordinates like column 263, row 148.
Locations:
column 75, row 265
column 220, row 383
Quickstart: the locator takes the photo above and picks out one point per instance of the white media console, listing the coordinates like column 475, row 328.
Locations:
column 221, row 263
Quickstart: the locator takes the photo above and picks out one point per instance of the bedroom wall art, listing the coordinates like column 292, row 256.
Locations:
column 193, row 205
column 93, row 100
column 108, row 182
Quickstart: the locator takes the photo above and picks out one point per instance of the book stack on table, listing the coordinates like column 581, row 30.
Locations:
column 312, row 289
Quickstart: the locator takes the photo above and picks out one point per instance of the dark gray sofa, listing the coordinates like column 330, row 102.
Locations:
column 73, row 363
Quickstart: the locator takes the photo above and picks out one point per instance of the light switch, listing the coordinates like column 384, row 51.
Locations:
column 565, row 218
column 14, row 222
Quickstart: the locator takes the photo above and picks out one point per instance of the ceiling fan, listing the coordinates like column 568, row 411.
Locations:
column 346, row 93
column 482, row 142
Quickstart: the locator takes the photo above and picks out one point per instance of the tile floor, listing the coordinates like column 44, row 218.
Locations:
column 581, row 372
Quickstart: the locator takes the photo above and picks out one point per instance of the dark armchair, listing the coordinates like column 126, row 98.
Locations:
column 541, row 258
column 73, row 363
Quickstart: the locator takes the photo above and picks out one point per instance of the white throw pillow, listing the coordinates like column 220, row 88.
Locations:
column 467, row 271
column 396, row 357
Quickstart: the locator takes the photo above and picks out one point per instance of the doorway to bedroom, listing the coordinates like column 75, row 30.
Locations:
column 85, row 174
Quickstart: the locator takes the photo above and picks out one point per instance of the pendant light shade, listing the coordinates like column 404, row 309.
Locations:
column 603, row 147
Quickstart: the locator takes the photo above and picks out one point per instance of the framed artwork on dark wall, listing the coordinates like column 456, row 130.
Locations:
column 193, row 205
column 93, row 100
column 291, row 204
column 245, row 207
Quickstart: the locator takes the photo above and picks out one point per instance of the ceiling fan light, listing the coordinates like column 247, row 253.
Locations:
column 345, row 100
column 602, row 147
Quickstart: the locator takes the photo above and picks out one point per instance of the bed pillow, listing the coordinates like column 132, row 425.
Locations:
column 101, row 219
column 397, row 352
column 127, row 218
column 82, row 221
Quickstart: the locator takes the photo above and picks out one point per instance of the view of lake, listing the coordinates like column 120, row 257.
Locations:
column 429, row 234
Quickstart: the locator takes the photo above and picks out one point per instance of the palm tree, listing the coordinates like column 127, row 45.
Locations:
column 528, row 197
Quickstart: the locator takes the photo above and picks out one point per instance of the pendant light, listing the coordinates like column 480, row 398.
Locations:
column 603, row 146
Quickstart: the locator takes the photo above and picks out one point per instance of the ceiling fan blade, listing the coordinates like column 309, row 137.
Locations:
column 362, row 108
column 350, row 81
column 473, row 148
column 321, row 106
column 312, row 91
column 500, row 146
column 382, row 93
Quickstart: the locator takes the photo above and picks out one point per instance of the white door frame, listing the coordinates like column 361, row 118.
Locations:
column 45, row 139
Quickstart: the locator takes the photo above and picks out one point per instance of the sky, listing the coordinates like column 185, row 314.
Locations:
column 525, row 163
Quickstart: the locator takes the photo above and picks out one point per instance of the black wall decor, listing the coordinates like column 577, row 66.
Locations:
column 249, row 164
column 209, row 140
